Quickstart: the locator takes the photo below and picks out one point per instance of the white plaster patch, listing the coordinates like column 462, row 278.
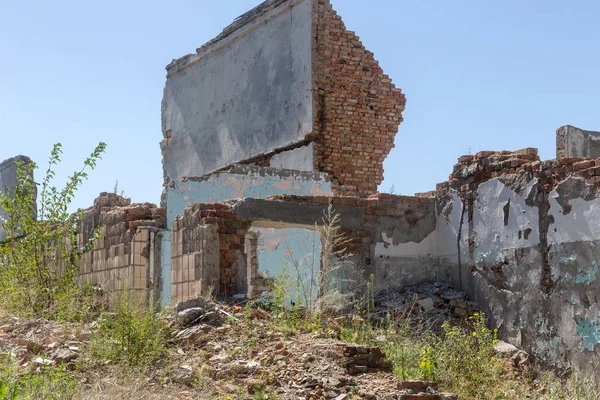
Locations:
column 446, row 231
column 491, row 233
column 582, row 223
column 424, row 248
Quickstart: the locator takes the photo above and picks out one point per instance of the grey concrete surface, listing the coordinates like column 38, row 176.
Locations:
column 575, row 142
column 273, row 214
column 8, row 180
column 300, row 159
column 246, row 94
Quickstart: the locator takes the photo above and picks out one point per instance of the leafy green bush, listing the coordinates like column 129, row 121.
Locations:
column 131, row 334
column 39, row 259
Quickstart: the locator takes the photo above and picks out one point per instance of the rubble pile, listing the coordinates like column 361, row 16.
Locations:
column 256, row 354
column 34, row 342
column 422, row 390
column 430, row 304
column 217, row 349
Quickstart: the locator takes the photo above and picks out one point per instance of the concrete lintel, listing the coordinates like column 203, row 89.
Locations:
column 293, row 213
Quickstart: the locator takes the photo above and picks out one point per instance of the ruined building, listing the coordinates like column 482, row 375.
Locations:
column 285, row 112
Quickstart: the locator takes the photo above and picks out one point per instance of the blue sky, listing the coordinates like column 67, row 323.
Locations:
column 487, row 75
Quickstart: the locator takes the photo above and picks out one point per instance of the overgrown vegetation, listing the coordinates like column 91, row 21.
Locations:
column 53, row 383
column 40, row 255
column 131, row 334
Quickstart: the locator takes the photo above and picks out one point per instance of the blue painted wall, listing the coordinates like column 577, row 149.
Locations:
column 226, row 186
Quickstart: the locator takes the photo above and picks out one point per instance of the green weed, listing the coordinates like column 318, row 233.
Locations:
column 131, row 334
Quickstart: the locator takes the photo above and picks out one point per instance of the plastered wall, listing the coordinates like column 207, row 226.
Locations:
column 246, row 93
column 525, row 237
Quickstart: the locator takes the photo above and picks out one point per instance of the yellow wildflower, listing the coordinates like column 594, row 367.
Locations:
column 474, row 334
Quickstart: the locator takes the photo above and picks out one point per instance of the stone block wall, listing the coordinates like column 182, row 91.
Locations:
column 195, row 257
column 207, row 251
column 125, row 255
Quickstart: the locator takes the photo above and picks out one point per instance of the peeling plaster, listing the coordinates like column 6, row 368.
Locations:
column 588, row 276
column 224, row 186
column 589, row 332
column 409, row 249
column 500, row 213
column 582, row 223
column 447, row 228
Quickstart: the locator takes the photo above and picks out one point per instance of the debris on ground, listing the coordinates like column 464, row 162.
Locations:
column 233, row 347
column 422, row 390
column 428, row 305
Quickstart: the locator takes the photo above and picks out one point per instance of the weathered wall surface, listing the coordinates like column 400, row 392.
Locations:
column 8, row 180
column 292, row 251
column 526, row 240
column 195, row 256
column 246, row 93
column 575, row 142
column 300, row 159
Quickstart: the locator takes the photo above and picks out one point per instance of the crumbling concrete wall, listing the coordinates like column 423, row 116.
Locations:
column 525, row 234
column 8, row 180
column 390, row 237
column 285, row 86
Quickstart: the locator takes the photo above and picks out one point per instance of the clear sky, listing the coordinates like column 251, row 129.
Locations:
column 477, row 75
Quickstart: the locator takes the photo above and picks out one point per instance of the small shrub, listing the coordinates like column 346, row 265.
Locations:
column 464, row 359
column 131, row 334
column 53, row 383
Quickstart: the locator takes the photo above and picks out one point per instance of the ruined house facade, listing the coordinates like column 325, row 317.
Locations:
column 284, row 113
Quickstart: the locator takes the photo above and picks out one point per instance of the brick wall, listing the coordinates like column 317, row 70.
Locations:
column 358, row 109
column 203, row 228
